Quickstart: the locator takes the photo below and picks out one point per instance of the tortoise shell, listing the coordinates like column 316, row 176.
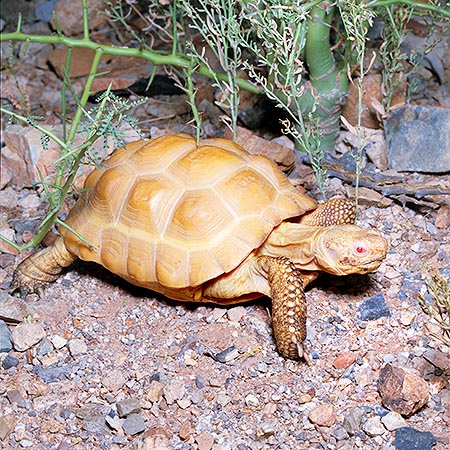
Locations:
column 170, row 214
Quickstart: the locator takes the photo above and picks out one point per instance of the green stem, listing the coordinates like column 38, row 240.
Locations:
column 150, row 55
column 415, row 4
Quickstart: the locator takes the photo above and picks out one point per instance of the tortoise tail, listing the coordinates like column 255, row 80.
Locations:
column 42, row 267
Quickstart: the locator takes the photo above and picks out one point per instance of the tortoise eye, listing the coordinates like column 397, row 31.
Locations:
column 360, row 249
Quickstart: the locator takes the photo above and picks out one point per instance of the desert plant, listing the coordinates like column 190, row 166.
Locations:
column 436, row 302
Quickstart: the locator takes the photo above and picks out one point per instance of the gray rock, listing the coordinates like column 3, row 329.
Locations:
column 373, row 308
column 5, row 338
column 25, row 335
column 127, row 407
column 44, row 347
column 133, row 424
column 9, row 362
column 418, row 139
column 96, row 425
column 408, row 438
column 352, row 420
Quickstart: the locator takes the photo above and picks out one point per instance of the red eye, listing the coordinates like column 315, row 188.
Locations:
column 360, row 249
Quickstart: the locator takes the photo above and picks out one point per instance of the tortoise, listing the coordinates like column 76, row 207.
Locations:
column 208, row 222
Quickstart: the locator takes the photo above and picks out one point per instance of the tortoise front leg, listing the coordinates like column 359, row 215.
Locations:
column 334, row 212
column 288, row 305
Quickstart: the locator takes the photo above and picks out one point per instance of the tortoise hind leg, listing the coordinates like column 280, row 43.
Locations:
column 288, row 306
column 42, row 267
column 334, row 212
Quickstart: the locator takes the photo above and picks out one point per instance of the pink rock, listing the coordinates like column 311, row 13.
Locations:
column 344, row 360
column 323, row 415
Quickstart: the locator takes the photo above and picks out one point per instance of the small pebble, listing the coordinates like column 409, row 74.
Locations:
column 44, row 347
column 25, row 335
column 154, row 392
column 77, row 347
column 9, row 362
column 237, row 313
column 373, row 308
column 374, row 427
column 227, row 355
column 133, row 424
column 127, row 407
column 344, row 360
column 323, row 415
column 5, row 338
column 352, row 420
column 393, row 420
column 251, row 400
column 58, row 341
column 205, row 441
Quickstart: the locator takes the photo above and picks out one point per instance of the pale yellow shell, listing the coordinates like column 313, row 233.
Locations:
column 168, row 213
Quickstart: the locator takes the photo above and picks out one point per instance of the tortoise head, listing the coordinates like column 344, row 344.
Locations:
column 349, row 249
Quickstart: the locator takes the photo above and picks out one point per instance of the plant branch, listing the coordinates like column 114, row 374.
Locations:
column 150, row 55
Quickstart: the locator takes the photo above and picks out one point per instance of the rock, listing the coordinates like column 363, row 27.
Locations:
column 439, row 359
column 251, row 400
column 374, row 427
column 70, row 23
column 393, row 420
column 344, row 360
column 372, row 92
column 113, row 380
column 9, row 362
column 174, row 391
column 323, row 415
column 352, row 419
column 96, row 425
column 44, row 347
column 418, row 139
column 14, row 396
column 77, row 347
column 58, row 341
column 154, row 392
column 205, row 441
column 373, row 308
column 156, row 438
column 25, row 335
column 237, row 313
column 8, row 233
column 5, row 338
column 127, row 407
column 408, row 438
column 401, row 391
column 281, row 155
column 442, row 220
column 7, row 424
column 227, row 355
column 13, row 309
column 133, row 424
column 407, row 318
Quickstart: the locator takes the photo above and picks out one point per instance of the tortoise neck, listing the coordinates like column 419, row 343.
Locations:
column 295, row 241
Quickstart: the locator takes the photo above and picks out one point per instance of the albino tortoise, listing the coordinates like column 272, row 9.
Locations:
column 208, row 222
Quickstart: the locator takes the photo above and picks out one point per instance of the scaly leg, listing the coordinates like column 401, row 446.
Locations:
column 42, row 267
column 288, row 306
